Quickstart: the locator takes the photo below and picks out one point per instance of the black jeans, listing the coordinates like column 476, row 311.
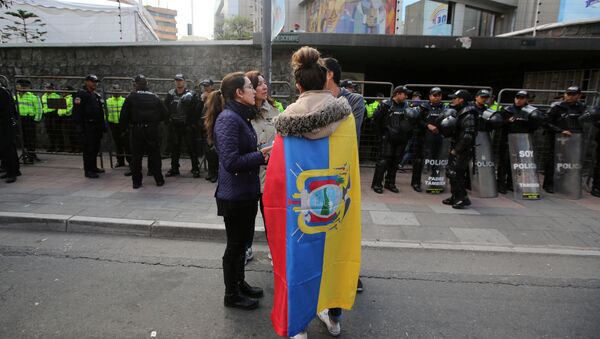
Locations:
column 239, row 217
column 180, row 133
column 121, row 144
column 456, row 171
column 92, row 134
column 387, row 165
column 29, row 134
column 8, row 151
column 145, row 139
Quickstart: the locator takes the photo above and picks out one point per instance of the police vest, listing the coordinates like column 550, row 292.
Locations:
column 45, row 98
column 30, row 106
column 65, row 112
column 113, row 105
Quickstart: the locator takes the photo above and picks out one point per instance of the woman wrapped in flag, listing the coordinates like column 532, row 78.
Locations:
column 312, row 205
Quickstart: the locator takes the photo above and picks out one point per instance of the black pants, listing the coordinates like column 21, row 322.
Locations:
column 239, row 217
column 29, row 135
column 179, row 134
column 391, row 154
column 145, row 139
column 504, row 174
column 458, row 165
column 549, row 163
column 92, row 134
column 596, row 183
column 121, row 144
column 212, row 161
column 8, row 151
column 70, row 131
column 54, row 131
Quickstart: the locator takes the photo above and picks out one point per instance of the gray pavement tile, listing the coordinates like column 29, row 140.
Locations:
column 551, row 203
column 393, row 218
column 591, row 239
column 59, row 209
column 208, row 218
column 152, row 214
column 486, row 221
column 480, row 235
column 509, row 211
column 144, row 204
column 567, row 239
column 572, row 224
column 188, row 206
column 409, row 208
column 84, row 201
column 374, row 206
column 382, row 233
column 16, row 188
column 55, row 191
column 433, row 219
column 534, row 223
column 93, row 193
column 527, row 237
column 429, row 234
column 365, row 218
column 18, row 197
column 445, row 209
column 18, row 206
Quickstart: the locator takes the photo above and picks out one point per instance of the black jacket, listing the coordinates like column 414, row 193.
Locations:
column 463, row 138
column 520, row 123
column 390, row 121
column 88, row 108
column 8, row 110
column 563, row 116
column 190, row 113
column 142, row 107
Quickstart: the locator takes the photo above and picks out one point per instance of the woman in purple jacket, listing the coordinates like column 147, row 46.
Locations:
column 227, row 122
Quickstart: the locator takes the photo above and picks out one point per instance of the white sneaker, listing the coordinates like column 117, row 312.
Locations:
column 333, row 327
column 301, row 335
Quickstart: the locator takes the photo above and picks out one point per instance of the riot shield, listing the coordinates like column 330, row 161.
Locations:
column 483, row 168
column 435, row 160
column 568, row 160
column 526, row 183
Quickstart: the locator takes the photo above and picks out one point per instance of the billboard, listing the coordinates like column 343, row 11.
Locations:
column 352, row 16
column 571, row 10
column 435, row 19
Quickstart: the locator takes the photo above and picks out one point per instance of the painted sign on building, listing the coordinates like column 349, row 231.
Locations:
column 435, row 19
column 571, row 10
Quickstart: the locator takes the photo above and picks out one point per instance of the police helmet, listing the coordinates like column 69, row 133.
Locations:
column 185, row 103
column 412, row 114
column 592, row 115
column 448, row 125
column 492, row 119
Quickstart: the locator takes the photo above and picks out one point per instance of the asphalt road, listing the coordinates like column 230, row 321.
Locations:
column 59, row 285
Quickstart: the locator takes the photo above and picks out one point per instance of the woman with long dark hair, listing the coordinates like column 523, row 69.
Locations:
column 228, row 126
column 265, row 131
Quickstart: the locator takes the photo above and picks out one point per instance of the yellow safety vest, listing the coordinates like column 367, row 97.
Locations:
column 69, row 110
column 30, row 106
column 113, row 105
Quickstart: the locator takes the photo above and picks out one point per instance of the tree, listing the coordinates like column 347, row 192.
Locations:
column 235, row 28
column 24, row 28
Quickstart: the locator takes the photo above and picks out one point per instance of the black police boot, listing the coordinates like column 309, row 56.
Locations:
column 548, row 189
column 596, row 192
column 502, row 188
column 462, row 203
column 449, row 201
column 137, row 185
column 416, row 187
column 98, row 170
column 10, row 180
column 250, row 291
column 377, row 188
column 233, row 295
column 128, row 173
column 91, row 175
column 196, row 173
column 173, row 172
column 391, row 188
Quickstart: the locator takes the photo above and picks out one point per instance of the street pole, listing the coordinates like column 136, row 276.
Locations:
column 266, row 41
column 537, row 17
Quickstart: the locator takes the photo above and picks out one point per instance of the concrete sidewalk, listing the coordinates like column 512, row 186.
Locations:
column 54, row 195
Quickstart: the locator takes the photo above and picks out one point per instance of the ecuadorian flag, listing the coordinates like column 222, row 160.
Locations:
column 312, row 214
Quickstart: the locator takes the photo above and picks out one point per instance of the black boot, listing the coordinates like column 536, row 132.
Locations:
column 244, row 287
column 233, row 295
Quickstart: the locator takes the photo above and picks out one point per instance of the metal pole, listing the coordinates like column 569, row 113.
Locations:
column 192, row 4
column 266, row 41
column 537, row 16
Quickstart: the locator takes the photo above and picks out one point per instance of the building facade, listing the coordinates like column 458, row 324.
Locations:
column 166, row 22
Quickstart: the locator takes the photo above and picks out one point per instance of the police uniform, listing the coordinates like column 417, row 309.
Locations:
column 184, row 127
column 88, row 112
column 51, row 122
column 114, row 105
column 462, row 141
column 141, row 114
column 562, row 116
column 30, row 112
column 394, row 127
column 429, row 114
column 8, row 142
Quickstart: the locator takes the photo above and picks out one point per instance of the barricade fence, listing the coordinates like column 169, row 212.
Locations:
column 55, row 131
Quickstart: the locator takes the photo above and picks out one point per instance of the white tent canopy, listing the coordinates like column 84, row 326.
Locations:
column 77, row 21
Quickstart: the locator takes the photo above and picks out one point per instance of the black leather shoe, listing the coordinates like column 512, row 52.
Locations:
column 249, row 291
column 391, row 188
column 377, row 189
column 3, row 176
column 213, row 179
column 10, row 180
column 127, row 174
column 449, row 201
column 196, row 174
column 501, row 190
column 595, row 192
column 459, row 205
column 467, row 201
column 160, row 183
column 98, row 170
column 91, row 175
column 549, row 189
column 137, row 185
column 240, row 301
column 119, row 165
column 417, row 188
column 172, row 173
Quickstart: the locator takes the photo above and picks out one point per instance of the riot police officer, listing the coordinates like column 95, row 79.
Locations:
column 141, row 114
column 462, row 135
column 562, row 118
column 88, row 114
column 427, row 133
column 520, row 117
column 393, row 125
column 184, row 125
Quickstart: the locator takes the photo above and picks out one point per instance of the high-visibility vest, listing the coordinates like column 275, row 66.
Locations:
column 371, row 108
column 45, row 98
column 69, row 110
column 30, row 105
column 113, row 105
column 278, row 105
column 495, row 106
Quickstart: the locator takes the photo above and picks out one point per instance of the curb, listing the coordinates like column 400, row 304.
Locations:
column 190, row 230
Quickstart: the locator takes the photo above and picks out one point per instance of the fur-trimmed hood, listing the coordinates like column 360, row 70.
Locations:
column 315, row 115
